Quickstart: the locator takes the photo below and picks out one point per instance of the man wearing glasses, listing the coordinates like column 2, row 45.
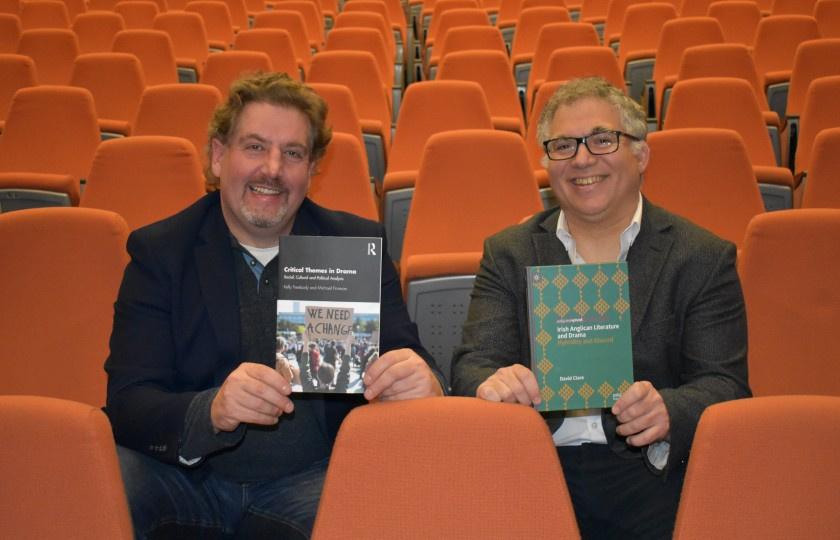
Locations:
column 624, row 466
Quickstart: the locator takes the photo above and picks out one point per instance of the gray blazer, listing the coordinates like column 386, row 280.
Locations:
column 689, row 327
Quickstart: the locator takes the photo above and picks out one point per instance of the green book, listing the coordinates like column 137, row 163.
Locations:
column 579, row 322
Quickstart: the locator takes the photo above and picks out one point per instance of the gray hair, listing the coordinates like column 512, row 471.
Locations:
column 631, row 113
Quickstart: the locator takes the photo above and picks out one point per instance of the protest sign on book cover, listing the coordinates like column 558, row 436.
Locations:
column 579, row 322
column 328, row 311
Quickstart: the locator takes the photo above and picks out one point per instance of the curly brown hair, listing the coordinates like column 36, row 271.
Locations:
column 274, row 89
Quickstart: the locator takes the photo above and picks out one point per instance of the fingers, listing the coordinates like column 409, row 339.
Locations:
column 642, row 415
column 512, row 384
column 400, row 374
column 284, row 368
column 252, row 393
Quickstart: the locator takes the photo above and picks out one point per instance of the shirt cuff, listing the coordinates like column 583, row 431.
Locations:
column 657, row 454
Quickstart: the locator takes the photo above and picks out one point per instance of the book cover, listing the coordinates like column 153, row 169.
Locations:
column 579, row 322
column 328, row 311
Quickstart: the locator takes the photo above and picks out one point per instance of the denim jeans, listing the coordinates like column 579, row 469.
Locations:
column 168, row 501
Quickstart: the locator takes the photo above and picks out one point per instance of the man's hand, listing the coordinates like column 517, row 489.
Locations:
column 642, row 415
column 512, row 384
column 253, row 394
column 400, row 374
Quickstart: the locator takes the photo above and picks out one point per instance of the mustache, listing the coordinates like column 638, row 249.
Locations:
column 271, row 182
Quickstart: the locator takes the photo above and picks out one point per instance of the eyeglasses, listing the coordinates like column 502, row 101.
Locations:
column 598, row 144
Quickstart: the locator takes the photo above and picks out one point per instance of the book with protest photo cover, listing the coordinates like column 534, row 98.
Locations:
column 579, row 322
column 328, row 311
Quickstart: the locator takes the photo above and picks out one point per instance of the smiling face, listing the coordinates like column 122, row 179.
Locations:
column 264, row 172
column 598, row 190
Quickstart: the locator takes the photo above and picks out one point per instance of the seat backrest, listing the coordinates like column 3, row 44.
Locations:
column 738, row 19
column 238, row 14
column 293, row 23
column 53, row 50
column 50, row 129
column 614, row 21
column 10, row 29
column 433, row 10
column 363, row 39
column 450, row 442
column 821, row 111
column 430, row 107
column 793, row 7
column 528, row 27
column 144, row 178
column 368, row 19
column 342, row 114
column 115, row 80
column 734, row 486
column 154, row 50
column 586, row 61
column 594, row 11
column 137, row 14
column 677, row 35
column 358, row 71
column 188, row 34
column 461, row 174
column 343, row 182
column 726, row 103
column 178, row 110
column 823, row 189
column 827, row 13
column 10, row 6
column 224, row 67
column 311, row 15
column 217, row 21
column 44, row 14
column 60, row 285
column 694, row 8
column 814, row 59
column 777, row 37
column 550, row 38
column 454, row 18
column 391, row 10
column 253, row 7
column 491, row 70
column 536, row 151
column 274, row 42
column 798, row 289
column 96, row 30
column 723, row 60
column 704, row 175
column 466, row 38
column 81, row 485
column 75, row 7
column 508, row 13
column 641, row 30
column 18, row 72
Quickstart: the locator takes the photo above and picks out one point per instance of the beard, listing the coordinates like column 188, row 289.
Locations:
column 264, row 219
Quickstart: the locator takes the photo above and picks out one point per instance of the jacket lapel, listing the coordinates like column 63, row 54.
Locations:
column 647, row 254
column 549, row 249
column 214, row 263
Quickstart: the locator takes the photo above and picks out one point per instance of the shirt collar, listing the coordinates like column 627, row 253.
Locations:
column 627, row 237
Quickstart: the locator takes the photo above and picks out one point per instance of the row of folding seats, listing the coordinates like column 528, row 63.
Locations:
column 384, row 132
column 729, row 487
column 730, row 490
column 703, row 174
column 437, row 271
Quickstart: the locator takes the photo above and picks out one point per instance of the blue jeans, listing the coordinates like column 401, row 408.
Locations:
column 618, row 498
column 168, row 501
